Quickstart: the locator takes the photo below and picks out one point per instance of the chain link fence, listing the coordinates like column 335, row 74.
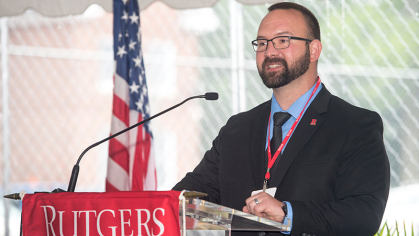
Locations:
column 57, row 85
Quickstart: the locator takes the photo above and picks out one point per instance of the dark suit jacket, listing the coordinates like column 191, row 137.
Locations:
column 335, row 173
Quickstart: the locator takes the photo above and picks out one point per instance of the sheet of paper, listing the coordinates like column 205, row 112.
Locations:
column 270, row 191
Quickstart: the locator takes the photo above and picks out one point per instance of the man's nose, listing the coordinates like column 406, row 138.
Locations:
column 271, row 51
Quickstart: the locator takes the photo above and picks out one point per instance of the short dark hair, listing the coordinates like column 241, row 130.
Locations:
column 311, row 20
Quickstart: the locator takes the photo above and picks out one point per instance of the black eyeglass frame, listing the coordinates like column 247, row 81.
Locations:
column 267, row 42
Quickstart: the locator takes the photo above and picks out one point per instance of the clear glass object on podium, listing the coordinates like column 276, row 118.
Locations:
column 206, row 218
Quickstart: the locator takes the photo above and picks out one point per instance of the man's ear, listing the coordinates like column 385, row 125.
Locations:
column 315, row 50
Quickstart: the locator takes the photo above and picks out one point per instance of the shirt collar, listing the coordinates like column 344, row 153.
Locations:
column 296, row 108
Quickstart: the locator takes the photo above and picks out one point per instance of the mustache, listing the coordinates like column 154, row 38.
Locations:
column 273, row 60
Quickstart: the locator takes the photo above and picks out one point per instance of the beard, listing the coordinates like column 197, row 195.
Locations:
column 278, row 79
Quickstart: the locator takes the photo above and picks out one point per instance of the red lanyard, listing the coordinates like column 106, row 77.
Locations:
column 271, row 160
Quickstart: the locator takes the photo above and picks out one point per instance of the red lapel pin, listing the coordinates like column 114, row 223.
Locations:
column 313, row 122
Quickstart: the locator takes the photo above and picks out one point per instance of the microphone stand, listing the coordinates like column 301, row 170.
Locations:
column 76, row 168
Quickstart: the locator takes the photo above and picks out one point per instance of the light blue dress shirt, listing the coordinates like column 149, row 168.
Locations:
column 295, row 110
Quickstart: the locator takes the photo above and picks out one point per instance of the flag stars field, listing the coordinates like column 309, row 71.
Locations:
column 134, row 18
column 137, row 61
column 132, row 45
column 134, row 87
column 121, row 51
column 139, row 103
column 125, row 16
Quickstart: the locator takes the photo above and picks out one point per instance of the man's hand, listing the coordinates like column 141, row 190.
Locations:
column 268, row 207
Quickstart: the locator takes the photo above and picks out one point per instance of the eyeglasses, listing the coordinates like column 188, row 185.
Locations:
column 280, row 42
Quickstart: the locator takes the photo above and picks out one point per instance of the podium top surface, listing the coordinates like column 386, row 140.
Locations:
column 204, row 215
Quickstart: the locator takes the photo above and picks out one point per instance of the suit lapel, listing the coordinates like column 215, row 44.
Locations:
column 257, row 144
column 309, row 123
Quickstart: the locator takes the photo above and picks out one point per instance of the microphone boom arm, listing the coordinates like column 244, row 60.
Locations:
column 75, row 171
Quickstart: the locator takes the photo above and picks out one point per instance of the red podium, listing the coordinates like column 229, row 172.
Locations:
column 111, row 213
column 133, row 213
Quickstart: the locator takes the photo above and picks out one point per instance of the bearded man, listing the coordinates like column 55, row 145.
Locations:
column 322, row 160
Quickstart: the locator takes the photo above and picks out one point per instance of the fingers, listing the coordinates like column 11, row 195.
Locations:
column 250, row 204
column 259, row 210
column 254, row 204
column 264, row 205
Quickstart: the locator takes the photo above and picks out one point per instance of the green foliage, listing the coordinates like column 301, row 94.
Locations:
column 387, row 231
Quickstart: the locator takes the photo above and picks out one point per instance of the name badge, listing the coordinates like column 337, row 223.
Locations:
column 270, row 191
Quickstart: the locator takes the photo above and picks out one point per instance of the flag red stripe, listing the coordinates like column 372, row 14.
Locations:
column 141, row 164
column 110, row 187
column 119, row 154
column 120, row 110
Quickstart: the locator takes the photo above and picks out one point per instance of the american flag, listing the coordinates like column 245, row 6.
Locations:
column 131, row 165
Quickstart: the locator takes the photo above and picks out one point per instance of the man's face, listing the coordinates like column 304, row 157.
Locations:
column 278, row 68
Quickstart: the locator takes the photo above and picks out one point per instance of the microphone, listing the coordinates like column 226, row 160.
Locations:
column 75, row 171
column 211, row 96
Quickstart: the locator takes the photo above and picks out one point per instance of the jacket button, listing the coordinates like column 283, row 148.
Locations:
column 261, row 233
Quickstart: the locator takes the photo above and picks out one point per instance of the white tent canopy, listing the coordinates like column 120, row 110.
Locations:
column 66, row 7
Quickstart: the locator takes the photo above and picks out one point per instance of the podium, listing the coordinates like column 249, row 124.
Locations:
column 200, row 217
column 134, row 213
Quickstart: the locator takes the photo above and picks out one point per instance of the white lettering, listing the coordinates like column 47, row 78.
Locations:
column 113, row 230
column 87, row 220
column 141, row 223
column 60, row 213
column 143, row 218
column 158, row 223
column 75, row 222
column 46, row 219
column 98, row 223
column 125, row 222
